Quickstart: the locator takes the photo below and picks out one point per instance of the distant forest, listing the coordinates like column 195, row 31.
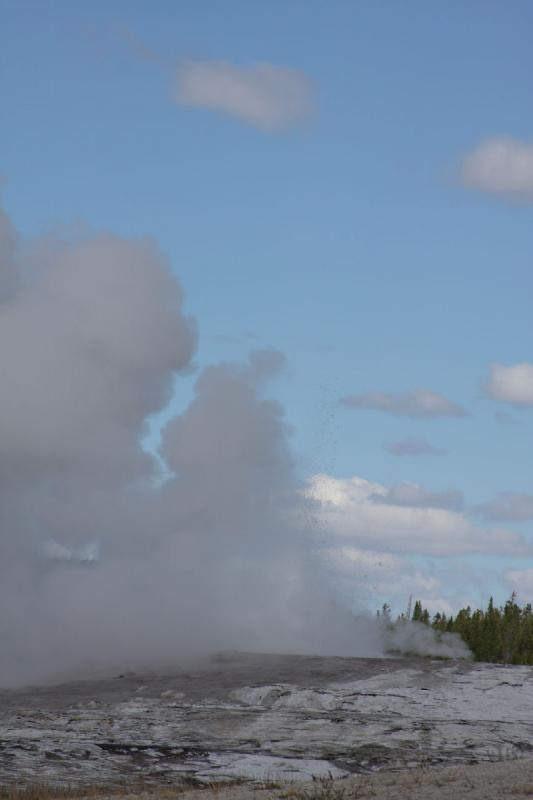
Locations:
column 500, row 635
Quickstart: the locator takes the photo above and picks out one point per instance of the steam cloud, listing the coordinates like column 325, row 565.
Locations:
column 102, row 564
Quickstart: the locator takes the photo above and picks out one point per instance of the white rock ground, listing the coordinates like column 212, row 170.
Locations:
column 263, row 717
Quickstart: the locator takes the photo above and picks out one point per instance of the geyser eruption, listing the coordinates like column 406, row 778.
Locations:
column 101, row 565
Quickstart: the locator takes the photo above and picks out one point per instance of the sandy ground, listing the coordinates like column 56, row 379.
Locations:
column 512, row 780
column 504, row 780
column 507, row 780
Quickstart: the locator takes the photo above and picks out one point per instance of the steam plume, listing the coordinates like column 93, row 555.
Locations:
column 101, row 566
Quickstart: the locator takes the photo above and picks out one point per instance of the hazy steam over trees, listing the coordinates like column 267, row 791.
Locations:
column 496, row 634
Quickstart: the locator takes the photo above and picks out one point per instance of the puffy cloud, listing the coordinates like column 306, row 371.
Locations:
column 512, row 384
column 266, row 96
column 414, row 446
column 501, row 166
column 418, row 404
column 360, row 511
column 510, row 506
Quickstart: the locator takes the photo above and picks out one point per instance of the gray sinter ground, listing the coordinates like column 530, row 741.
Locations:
column 266, row 716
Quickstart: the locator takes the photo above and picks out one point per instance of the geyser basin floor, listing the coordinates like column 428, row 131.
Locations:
column 264, row 716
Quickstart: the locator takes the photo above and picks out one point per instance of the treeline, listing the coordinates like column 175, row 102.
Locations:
column 501, row 635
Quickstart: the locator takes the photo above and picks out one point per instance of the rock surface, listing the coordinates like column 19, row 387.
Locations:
column 266, row 717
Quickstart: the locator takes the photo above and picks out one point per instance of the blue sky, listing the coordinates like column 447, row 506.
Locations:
column 352, row 240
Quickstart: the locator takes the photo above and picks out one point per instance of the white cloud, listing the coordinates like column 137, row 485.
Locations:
column 420, row 403
column 264, row 95
column 509, row 506
column 413, row 446
column 387, row 577
column 411, row 495
column 512, row 384
column 351, row 509
column 377, row 569
column 521, row 582
column 502, row 166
